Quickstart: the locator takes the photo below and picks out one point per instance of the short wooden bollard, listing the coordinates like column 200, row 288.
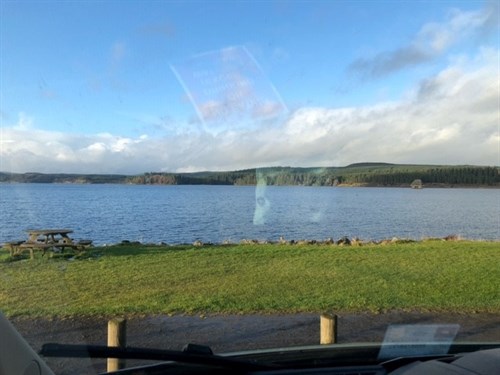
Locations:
column 328, row 329
column 117, row 336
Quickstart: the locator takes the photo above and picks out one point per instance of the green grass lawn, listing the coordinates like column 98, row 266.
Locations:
column 459, row 276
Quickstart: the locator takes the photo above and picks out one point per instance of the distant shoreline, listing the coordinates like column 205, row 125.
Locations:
column 425, row 186
column 360, row 174
column 406, row 186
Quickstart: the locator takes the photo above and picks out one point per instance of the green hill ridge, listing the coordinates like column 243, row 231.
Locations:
column 358, row 174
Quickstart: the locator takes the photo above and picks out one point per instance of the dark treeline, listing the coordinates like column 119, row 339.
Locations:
column 363, row 174
column 246, row 177
column 54, row 178
column 447, row 176
column 367, row 174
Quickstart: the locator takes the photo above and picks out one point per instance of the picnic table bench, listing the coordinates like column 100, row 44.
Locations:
column 56, row 240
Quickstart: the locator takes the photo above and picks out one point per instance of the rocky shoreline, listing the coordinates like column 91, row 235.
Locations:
column 342, row 241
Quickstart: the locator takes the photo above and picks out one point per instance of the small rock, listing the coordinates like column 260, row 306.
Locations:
column 248, row 242
column 344, row 241
column 329, row 241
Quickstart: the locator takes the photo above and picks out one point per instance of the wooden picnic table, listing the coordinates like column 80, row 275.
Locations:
column 48, row 236
column 50, row 239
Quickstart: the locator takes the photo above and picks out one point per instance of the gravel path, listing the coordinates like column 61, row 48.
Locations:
column 235, row 332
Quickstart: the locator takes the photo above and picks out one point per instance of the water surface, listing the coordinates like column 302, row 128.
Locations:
column 182, row 214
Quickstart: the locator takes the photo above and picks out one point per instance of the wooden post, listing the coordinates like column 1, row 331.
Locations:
column 328, row 329
column 117, row 334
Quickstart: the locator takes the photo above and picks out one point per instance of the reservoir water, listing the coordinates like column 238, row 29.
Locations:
column 108, row 214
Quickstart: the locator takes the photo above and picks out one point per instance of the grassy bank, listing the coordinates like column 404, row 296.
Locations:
column 461, row 276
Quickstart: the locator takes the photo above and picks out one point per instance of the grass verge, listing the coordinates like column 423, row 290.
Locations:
column 458, row 276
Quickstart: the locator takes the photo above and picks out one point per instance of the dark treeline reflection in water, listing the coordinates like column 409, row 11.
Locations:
column 108, row 214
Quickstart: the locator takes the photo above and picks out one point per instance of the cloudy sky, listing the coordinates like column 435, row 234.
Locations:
column 136, row 86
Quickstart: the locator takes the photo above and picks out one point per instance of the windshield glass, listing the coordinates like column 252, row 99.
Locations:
column 249, row 175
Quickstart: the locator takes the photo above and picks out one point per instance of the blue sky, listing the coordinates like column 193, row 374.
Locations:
column 135, row 86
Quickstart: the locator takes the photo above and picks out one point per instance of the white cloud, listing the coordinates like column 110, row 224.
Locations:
column 431, row 41
column 450, row 118
column 437, row 37
column 97, row 147
column 25, row 122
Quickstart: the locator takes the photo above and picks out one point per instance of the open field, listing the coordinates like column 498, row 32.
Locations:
column 437, row 276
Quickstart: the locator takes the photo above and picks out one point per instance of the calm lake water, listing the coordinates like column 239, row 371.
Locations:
column 108, row 214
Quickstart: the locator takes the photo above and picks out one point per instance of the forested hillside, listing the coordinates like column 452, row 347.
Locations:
column 62, row 178
column 361, row 174
column 364, row 174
